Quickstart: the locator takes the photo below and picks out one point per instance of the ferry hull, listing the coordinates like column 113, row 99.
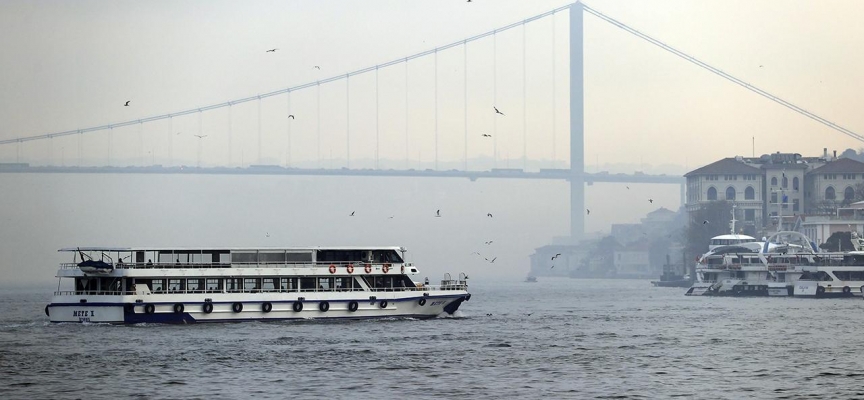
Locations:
column 179, row 312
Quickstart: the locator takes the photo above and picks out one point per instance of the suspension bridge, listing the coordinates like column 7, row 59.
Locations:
column 291, row 137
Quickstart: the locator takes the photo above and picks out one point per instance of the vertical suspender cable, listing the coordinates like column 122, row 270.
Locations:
column 259, row 131
column 230, row 129
column 318, row 112
column 465, row 88
column 170, row 142
column 377, row 129
column 554, row 148
column 347, row 122
column 288, row 119
column 435, row 71
column 495, row 98
column 406, row 115
column 524, row 107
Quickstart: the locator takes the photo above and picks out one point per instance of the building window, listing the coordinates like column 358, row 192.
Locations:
column 830, row 176
column 849, row 176
column 773, row 197
column 794, row 204
column 712, row 194
column 849, row 194
column 795, row 183
column 829, row 193
column 773, row 181
column 730, row 193
column 749, row 193
column 785, row 181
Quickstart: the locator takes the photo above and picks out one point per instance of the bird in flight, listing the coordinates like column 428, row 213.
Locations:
column 438, row 213
column 556, row 256
column 127, row 103
column 492, row 260
column 489, row 215
column 553, row 267
column 588, row 211
column 487, row 135
column 489, row 242
column 200, row 136
column 705, row 222
column 317, row 67
column 179, row 133
column 474, row 252
column 267, row 234
column 496, row 110
column 291, row 116
column 760, row 65
column 391, row 217
column 271, row 51
column 628, row 187
column 352, row 213
column 651, row 201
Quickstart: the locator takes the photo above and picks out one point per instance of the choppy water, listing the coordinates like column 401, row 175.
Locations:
column 550, row 339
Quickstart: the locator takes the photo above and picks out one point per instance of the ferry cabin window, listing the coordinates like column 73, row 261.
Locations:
column 326, row 284
column 386, row 256
column 849, row 275
column 194, row 285
column 175, row 285
column 244, row 258
column 251, row 284
column 307, row 285
column 298, row 257
column 289, row 284
column 233, row 284
column 346, row 284
column 158, row 286
column 341, row 256
column 268, row 284
column 213, row 285
column 271, row 257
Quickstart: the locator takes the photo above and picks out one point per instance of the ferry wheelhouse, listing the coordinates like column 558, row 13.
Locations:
column 187, row 285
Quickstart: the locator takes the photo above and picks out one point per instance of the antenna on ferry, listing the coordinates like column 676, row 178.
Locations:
column 732, row 222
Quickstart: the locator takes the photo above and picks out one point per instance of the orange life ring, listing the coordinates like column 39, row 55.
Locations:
column 350, row 268
column 385, row 268
column 367, row 268
column 332, row 269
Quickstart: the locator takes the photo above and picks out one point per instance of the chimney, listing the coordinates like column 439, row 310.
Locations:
column 825, row 153
column 835, row 154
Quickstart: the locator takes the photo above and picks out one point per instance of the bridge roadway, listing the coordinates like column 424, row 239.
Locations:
column 507, row 173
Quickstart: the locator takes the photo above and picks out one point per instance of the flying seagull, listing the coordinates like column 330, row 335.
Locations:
column 317, row 67
column 474, row 252
column 352, row 213
column 391, row 217
column 705, row 222
column 271, row 51
column 438, row 213
column 589, row 211
column 200, row 136
column 291, row 116
column 487, row 135
column 496, row 110
column 489, row 215
column 628, row 187
column 489, row 242
column 492, row 260
column 651, row 201
column 267, row 234
column 556, row 256
column 552, row 267
column 127, row 103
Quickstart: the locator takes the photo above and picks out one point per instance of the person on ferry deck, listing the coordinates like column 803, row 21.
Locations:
column 150, row 262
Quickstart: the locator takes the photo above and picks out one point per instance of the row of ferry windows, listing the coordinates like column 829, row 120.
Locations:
column 275, row 284
column 272, row 284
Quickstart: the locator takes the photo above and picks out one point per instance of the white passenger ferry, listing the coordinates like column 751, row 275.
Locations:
column 786, row 264
column 186, row 285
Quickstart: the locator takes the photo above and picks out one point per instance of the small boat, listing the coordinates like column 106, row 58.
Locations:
column 95, row 267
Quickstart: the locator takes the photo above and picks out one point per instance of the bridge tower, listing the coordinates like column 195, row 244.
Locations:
column 577, row 125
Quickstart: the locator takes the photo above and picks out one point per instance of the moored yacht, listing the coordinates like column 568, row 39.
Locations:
column 186, row 285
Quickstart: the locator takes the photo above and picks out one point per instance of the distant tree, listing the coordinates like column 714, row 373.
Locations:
column 838, row 241
column 699, row 234
column 859, row 191
column 822, row 207
column 849, row 153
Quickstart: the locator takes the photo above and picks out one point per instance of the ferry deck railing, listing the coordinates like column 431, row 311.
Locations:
column 444, row 286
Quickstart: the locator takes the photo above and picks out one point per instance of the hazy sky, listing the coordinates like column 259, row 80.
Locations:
column 69, row 65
